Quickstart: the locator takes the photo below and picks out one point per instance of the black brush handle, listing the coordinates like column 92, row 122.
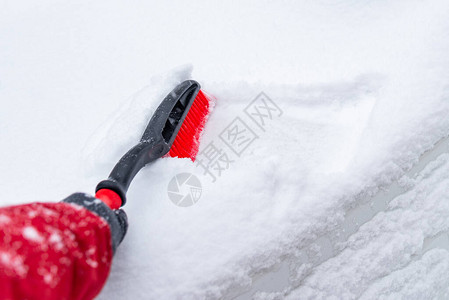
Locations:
column 130, row 164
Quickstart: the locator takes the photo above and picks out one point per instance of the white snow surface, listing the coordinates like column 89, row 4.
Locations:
column 364, row 91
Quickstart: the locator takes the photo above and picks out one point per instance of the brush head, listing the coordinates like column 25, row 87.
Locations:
column 174, row 130
column 186, row 143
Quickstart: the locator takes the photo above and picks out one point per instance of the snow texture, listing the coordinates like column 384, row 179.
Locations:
column 341, row 194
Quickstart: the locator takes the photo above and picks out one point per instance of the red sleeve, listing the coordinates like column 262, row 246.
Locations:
column 53, row 251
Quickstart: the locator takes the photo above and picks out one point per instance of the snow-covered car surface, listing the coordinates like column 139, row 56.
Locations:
column 329, row 120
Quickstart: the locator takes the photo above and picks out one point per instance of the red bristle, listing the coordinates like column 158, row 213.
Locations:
column 186, row 143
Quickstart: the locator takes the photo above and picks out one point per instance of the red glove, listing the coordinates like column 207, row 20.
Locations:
column 58, row 250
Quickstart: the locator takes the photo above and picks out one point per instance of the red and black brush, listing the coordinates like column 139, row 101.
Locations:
column 174, row 130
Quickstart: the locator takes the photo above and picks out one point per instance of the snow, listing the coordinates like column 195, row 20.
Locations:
column 13, row 263
column 393, row 242
column 30, row 233
column 333, row 199
column 4, row 219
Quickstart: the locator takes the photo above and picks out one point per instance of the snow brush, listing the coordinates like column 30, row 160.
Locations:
column 174, row 130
